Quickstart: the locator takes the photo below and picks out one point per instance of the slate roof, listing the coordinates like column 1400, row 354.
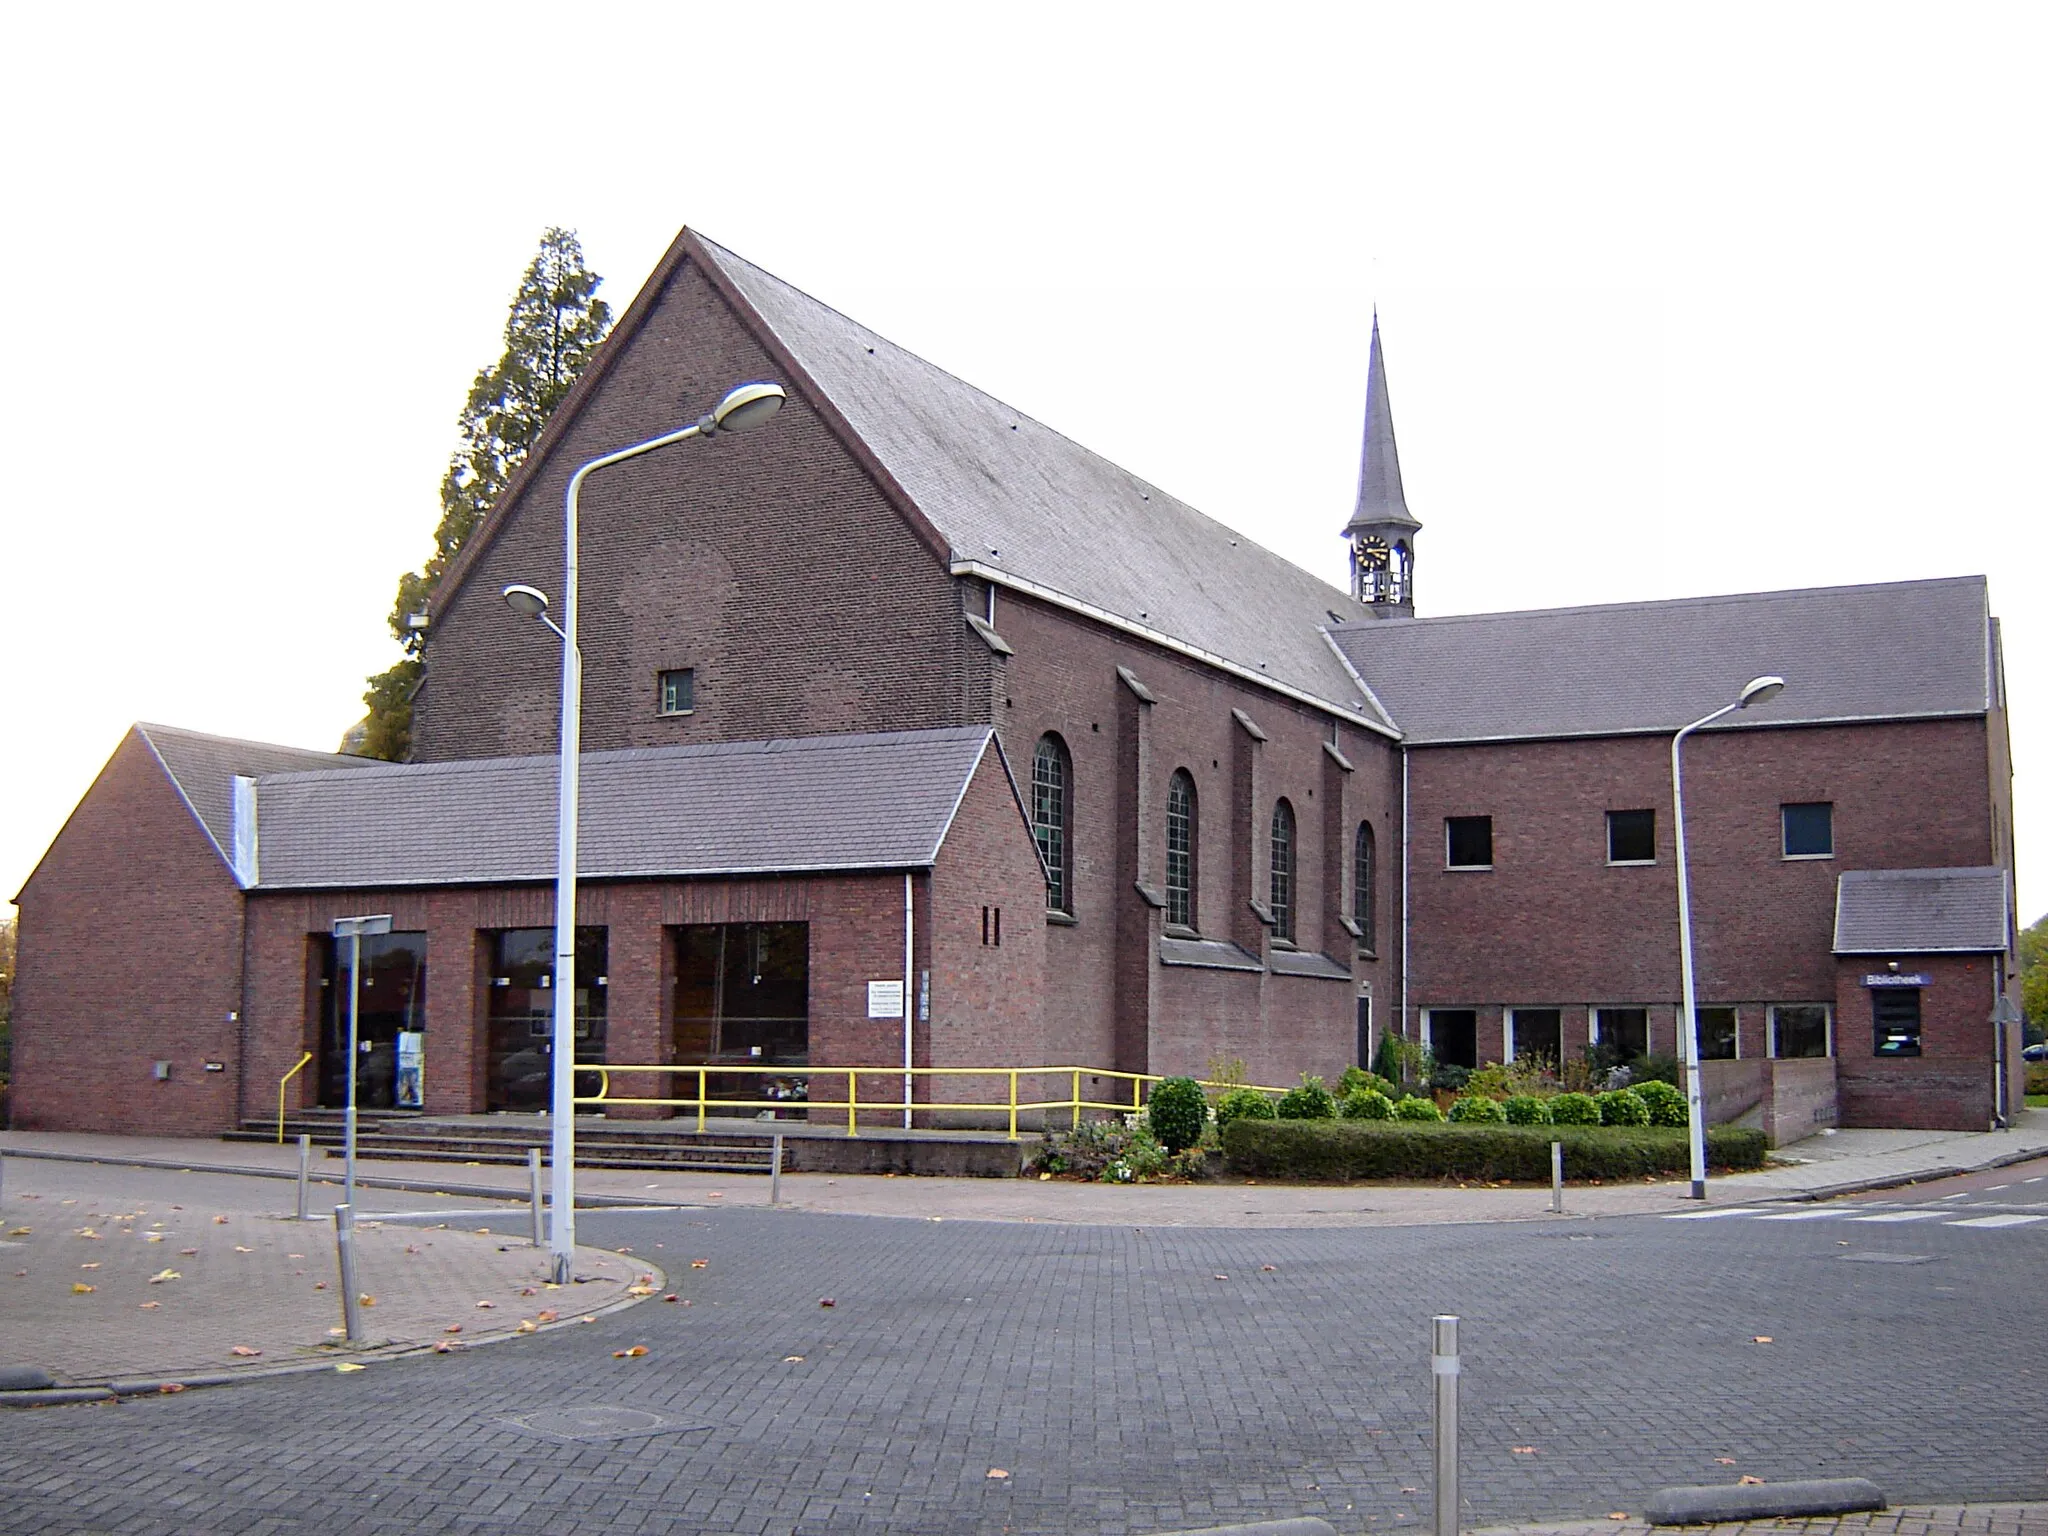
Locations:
column 1380, row 498
column 1922, row 911
column 1899, row 650
column 203, row 770
column 815, row 803
column 1013, row 496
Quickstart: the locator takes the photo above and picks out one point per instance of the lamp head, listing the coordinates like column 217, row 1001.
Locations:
column 748, row 405
column 527, row 602
column 1761, row 690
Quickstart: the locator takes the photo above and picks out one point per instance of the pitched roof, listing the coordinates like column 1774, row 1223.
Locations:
column 1899, row 650
column 1922, row 911
column 817, row 803
column 203, row 769
column 1380, row 497
column 1024, row 505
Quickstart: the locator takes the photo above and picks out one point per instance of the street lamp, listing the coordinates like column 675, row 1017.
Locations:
column 747, row 406
column 1757, row 690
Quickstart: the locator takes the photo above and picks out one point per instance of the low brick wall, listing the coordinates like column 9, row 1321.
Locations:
column 1786, row 1100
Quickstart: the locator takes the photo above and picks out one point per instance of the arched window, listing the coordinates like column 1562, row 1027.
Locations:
column 1363, row 876
column 1281, row 892
column 1052, row 817
column 1180, row 849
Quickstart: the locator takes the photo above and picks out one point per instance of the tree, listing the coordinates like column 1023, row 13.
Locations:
column 555, row 327
column 2034, row 976
column 7, row 932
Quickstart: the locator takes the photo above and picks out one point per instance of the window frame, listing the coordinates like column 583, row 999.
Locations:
column 1771, row 1042
column 1879, row 997
column 661, row 691
column 1282, row 867
column 1734, row 1030
column 1364, row 883
column 1596, row 1036
column 1055, row 838
column 1182, row 908
column 1785, row 828
column 1452, row 821
column 1613, row 862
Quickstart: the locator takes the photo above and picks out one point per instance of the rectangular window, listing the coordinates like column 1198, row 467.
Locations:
column 1895, row 1017
column 1717, row 1033
column 1624, row 1031
column 1536, row 1034
column 1809, row 829
column 1468, row 842
column 1631, row 837
column 1452, row 1035
column 678, row 691
column 1800, row 1030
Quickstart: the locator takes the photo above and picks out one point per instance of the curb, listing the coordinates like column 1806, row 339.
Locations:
column 155, row 1386
column 366, row 1181
column 1305, row 1525
column 1900, row 1180
column 1716, row 1504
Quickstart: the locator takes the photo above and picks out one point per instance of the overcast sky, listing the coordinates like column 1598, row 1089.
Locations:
column 1675, row 300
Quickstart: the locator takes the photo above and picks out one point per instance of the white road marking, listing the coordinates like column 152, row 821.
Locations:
column 1901, row 1216
column 1998, row 1221
column 1733, row 1210
column 1804, row 1216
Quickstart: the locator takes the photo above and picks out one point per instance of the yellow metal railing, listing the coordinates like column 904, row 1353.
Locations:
column 1010, row 1105
column 281, row 1083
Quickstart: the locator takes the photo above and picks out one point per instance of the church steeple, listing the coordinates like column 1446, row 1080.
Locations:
column 1381, row 530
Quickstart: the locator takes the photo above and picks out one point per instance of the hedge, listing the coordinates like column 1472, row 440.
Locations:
column 1392, row 1149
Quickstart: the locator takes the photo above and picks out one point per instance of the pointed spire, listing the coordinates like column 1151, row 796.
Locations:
column 1380, row 500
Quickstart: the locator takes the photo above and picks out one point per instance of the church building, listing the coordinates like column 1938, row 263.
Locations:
column 1028, row 764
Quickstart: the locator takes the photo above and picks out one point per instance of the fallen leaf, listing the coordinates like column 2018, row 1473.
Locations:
column 1043, row 1177
column 366, row 1301
column 345, row 1366
column 1617, row 1515
column 671, row 1296
column 1748, row 1481
column 1762, row 1338
column 997, row 1473
column 792, row 1359
column 527, row 1325
column 220, row 1221
column 94, row 1265
column 586, row 1319
column 245, row 1352
column 547, row 1316
column 827, row 1301
column 630, row 1354
column 22, row 1232
column 152, row 1237
column 409, row 1248
column 149, row 1306
column 171, row 1386
column 295, row 1255
column 700, row 1263
column 485, row 1306
column 86, row 1232
column 1223, row 1277
column 80, row 1288
column 1269, row 1268
column 639, row 1290
column 164, row 1274
column 1525, row 1450
column 319, row 1285
column 337, row 1333
column 453, row 1328
column 527, row 1290
column 240, row 1249
column 443, row 1347
column 1724, row 1461
column 186, row 1253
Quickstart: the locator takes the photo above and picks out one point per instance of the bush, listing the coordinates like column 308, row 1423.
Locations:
column 1310, row 1101
column 1478, row 1109
column 1450, row 1078
column 1526, row 1109
column 1115, row 1151
column 1367, row 1104
column 1622, row 1106
column 1364, row 1150
column 1356, row 1078
column 1177, row 1111
column 1666, row 1104
column 1574, row 1109
column 1412, row 1108
column 1654, row 1069
column 1243, row 1104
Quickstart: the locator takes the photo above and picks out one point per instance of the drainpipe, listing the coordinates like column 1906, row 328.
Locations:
column 909, row 989
column 2001, row 1068
column 1404, row 891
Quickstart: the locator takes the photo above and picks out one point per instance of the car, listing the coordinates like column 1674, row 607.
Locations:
column 2035, row 1052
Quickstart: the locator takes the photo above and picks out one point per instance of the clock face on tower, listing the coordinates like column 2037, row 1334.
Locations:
column 1373, row 554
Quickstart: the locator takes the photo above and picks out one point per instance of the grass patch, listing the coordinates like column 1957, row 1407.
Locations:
column 1344, row 1150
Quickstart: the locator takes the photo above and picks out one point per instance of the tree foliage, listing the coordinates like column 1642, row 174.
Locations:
column 7, row 933
column 555, row 327
column 2034, row 973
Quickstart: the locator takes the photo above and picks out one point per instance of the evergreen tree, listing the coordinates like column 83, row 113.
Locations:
column 555, row 326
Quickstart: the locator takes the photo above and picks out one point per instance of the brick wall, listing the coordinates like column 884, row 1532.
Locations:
column 129, row 954
column 1950, row 1085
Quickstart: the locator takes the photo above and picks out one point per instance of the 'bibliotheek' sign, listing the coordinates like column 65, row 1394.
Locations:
column 1889, row 980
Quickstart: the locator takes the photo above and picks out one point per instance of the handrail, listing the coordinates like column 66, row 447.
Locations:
column 280, row 1093
column 1008, row 1106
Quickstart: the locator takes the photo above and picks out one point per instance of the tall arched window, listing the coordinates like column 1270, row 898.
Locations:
column 1180, row 849
column 1363, row 876
column 1281, row 892
column 1052, row 817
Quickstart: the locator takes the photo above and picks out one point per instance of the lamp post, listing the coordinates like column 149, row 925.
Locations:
column 353, row 929
column 1756, row 691
column 749, row 405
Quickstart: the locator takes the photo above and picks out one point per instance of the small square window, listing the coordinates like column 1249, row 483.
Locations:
column 1468, row 842
column 1799, row 1030
column 1717, row 1034
column 1809, row 830
column 1631, row 837
column 1895, row 1020
column 1624, row 1031
column 677, row 691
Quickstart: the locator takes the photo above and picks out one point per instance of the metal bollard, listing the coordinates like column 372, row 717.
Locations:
column 305, row 1170
column 775, row 1172
column 345, row 1255
column 1443, row 1364
column 540, row 1236
column 1557, row 1177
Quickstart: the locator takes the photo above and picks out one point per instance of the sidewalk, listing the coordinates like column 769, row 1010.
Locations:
column 1908, row 1520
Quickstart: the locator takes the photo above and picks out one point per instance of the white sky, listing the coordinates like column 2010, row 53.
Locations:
column 1676, row 300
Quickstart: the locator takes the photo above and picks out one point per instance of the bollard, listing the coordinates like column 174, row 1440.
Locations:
column 305, row 1170
column 775, row 1172
column 533, row 1194
column 1443, row 1364
column 1557, row 1177
column 345, row 1255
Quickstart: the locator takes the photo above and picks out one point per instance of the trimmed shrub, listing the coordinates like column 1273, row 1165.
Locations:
column 1665, row 1103
column 1356, row 1078
column 1177, row 1111
column 1574, row 1109
column 1526, row 1109
column 2037, row 1078
column 1356, row 1149
column 1367, row 1104
column 1654, row 1069
column 1450, row 1077
column 1243, row 1104
column 1412, row 1108
column 1478, row 1109
column 1622, row 1106
column 1309, row 1101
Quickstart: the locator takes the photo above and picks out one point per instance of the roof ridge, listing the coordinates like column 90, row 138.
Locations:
column 147, row 727
column 1709, row 599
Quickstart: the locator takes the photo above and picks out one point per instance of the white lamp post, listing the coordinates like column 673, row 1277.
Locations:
column 1756, row 691
column 747, row 406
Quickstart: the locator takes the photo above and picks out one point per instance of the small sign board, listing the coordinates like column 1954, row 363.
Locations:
column 1889, row 979
column 885, row 999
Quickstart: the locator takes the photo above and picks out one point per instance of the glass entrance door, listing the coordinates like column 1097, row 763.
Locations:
column 520, row 1051
column 743, row 999
column 392, row 1004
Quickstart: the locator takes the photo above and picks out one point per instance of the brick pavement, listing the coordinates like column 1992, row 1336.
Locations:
column 244, row 1275
column 1907, row 1520
column 1123, row 1386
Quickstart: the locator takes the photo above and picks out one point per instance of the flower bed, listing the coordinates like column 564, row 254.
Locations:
column 1394, row 1149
